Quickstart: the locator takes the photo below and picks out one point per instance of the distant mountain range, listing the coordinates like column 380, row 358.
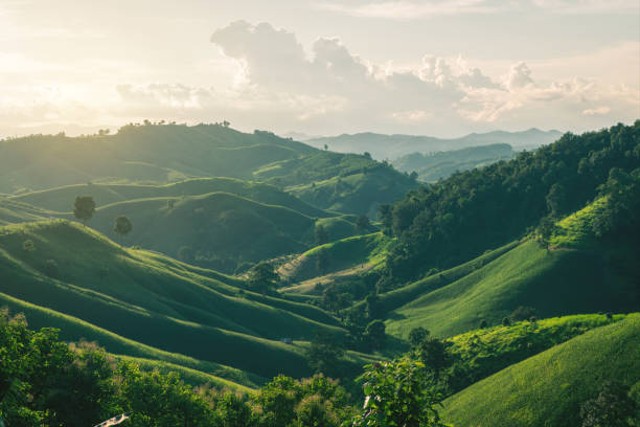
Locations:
column 391, row 147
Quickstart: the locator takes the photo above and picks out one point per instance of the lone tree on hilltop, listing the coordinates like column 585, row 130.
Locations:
column 122, row 225
column 84, row 208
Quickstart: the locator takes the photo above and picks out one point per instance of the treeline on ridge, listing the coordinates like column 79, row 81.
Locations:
column 444, row 224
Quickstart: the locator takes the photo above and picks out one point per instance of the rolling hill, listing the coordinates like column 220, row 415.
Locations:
column 576, row 272
column 554, row 283
column 431, row 167
column 61, row 198
column 13, row 211
column 156, row 301
column 548, row 389
column 206, row 221
column 164, row 153
column 340, row 255
column 217, row 229
column 395, row 146
column 342, row 182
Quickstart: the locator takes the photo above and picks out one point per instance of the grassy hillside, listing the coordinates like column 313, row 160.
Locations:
column 61, row 198
column 552, row 282
column 340, row 255
column 12, row 211
column 549, row 388
column 220, row 230
column 346, row 183
column 431, row 167
column 394, row 146
column 483, row 352
column 147, row 298
column 157, row 153
column 459, row 218
column 73, row 329
column 154, row 153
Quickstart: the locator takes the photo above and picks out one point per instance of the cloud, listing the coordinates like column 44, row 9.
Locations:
column 598, row 111
column 325, row 88
column 334, row 87
column 421, row 9
column 519, row 77
column 588, row 6
column 408, row 9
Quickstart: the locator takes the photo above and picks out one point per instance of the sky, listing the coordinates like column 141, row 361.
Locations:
column 320, row 67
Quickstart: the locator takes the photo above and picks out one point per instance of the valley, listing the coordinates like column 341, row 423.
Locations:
column 255, row 268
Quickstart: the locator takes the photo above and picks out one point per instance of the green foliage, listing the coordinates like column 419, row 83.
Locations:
column 525, row 275
column 613, row 407
column 375, row 334
column 417, row 336
column 263, row 278
column 548, row 388
column 460, row 217
column 434, row 166
column 478, row 354
column 84, row 207
column 122, row 225
column 325, row 354
column 316, row 401
column 49, row 383
column 399, row 393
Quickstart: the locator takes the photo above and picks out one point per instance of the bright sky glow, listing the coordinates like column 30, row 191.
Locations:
column 322, row 67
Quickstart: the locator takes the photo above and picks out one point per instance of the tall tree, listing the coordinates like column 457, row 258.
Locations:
column 263, row 277
column 122, row 225
column 84, row 208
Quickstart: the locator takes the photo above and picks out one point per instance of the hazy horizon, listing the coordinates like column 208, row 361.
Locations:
column 320, row 67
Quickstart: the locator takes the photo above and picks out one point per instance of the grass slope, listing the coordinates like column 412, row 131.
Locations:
column 340, row 255
column 158, row 153
column 548, row 389
column 220, row 229
column 341, row 182
column 12, row 211
column 552, row 282
column 142, row 297
column 61, row 198
column 483, row 352
column 73, row 329
column 431, row 167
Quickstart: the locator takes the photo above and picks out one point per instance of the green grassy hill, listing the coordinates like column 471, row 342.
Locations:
column 159, row 153
column 548, row 389
column 12, row 211
column 153, row 300
column 341, row 182
column 73, row 329
column 165, row 153
column 552, row 282
column 61, row 198
column 482, row 352
column 431, row 167
column 394, row 146
column 220, row 230
column 344, row 254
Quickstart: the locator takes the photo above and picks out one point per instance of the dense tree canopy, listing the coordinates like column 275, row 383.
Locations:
column 459, row 218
